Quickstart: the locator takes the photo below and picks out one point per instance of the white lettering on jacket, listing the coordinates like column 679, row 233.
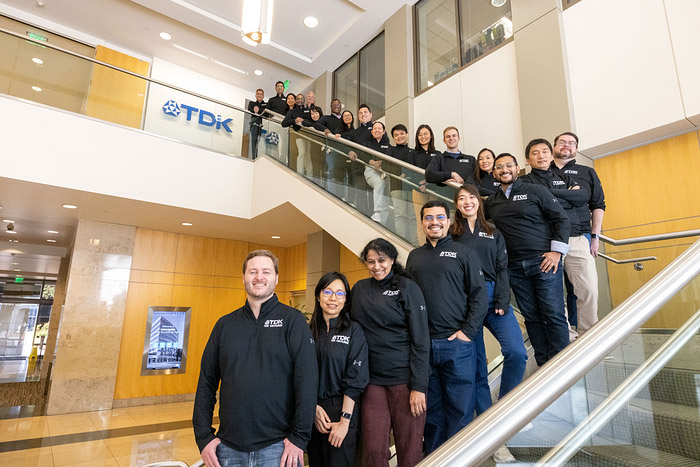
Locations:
column 485, row 235
column 569, row 171
column 519, row 197
column 449, row 254
column 341, row 339
column 391, row 293
column 558, row 182
column 273, row 323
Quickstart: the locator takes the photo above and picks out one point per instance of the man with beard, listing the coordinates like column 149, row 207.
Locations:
column 265, row 359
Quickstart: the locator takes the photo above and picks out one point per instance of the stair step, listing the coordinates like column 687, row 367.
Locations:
column 634, row 456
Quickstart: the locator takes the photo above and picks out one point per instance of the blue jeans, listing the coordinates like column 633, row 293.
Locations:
column 270, row 456
column 507, row 331
column 451, row 394
column 540, row 297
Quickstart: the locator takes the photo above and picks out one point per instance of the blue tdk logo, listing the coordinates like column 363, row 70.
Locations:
column 174, row 109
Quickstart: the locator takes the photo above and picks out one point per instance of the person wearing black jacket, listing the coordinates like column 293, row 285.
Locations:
column 264, row 357
column 278, row 103
column 295, row 117
column 482, row 172
column 455, row 293
column 257, row 106
column 401, row 193
column 341, row 350
column 536, row 230
column 374, row 172
column 450, row 166
column 391, row 310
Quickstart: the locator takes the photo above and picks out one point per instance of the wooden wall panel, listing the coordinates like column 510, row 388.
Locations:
column 229, row 257
column 196, row 255
column 115, row 96
column 351, row 266
column 648, row 192
column 154, row 250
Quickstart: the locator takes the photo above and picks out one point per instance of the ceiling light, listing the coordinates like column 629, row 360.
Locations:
column 38, row 61
column 52, row 231
column 187, row 224
column 257, row 72
column 14, row 241
column 10, row 231
column 276, row 237
column 498, row 3
column 17, row 270
column 257, row 21
column 70, row 206
column 51, row 240
column 15, row 264
column 310, row 22
column 9, row 221
column 36, row 88
column 40, row 3
column 165, row 36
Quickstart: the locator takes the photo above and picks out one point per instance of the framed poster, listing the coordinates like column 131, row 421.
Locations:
column 165, row 345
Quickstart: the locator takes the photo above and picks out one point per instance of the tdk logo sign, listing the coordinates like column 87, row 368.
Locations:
column 205, row 118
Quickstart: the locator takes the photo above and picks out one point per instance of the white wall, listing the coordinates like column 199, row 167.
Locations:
column 482, row 101
column 53, row 147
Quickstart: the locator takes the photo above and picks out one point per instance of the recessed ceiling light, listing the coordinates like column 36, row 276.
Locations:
column 17, row 270
column 276, row 236
column 14, row 241
column 8, row 220
column 70, row 206
column 38, row 61
column 10, row 231
column 498, row 3
column 51, row 240
column 258, row 72
column 36, row 88
column 52, row 231
column 310, row 22
column 15, row 264
column 187, row 224
column 165, row 36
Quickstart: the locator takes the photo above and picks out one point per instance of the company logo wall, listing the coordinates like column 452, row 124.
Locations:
column 205, row 118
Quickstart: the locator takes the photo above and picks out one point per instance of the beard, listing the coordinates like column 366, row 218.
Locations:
column 257, row 293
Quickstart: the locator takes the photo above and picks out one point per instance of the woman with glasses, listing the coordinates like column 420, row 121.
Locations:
column 391, row 309
column 483, row 172
column 341, row 351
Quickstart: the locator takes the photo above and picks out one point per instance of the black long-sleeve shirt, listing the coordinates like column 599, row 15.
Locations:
column 342, row 361
column 268, row 373
column 388, row 166
column 261, row 108
column 332, row 123
column 453, row 285
column 441, row 167
column 530, row 219
column 570, row 200
column 393, row 316
column 492, row 252
column 487, row 184
column 585, row 177
column 420, row 158
column 278, row 104
column 293, row 114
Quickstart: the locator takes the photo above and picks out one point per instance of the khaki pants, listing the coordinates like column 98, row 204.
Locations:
column 579, row 265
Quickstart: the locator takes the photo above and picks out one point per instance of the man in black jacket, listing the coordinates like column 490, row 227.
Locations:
column 278, row 103
column 264, row 356
column 449, row 273
column 536, row 230
column 452, row 165
column 257, row 106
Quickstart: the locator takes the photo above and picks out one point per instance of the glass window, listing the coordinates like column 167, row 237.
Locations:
column 438, row 47
column 345, row 79
column 372, row 76
column 483, row 27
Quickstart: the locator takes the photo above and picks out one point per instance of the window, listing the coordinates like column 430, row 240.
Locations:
column 444, row 45
column 360, row 80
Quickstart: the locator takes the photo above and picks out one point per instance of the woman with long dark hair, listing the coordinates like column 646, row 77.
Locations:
column 471, row 228
column 391, row 309
column 341, row 350
column 483, row 172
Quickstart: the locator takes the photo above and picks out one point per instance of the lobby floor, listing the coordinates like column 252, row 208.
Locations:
column 131, row 436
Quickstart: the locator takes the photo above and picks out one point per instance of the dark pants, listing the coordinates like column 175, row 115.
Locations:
column 254, row 137
column 384, row 408
column 358, row 191
column 540, row 297
column 321, row 453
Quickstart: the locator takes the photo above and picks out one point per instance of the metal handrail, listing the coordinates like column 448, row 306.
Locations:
column 476, row 442
column 617, row 399
column 651, row 238
column 626, row 261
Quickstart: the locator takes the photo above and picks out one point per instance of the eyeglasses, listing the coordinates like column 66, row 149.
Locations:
column 508, row 165
column 339, row 294
column 566, row 143
column 440, row 217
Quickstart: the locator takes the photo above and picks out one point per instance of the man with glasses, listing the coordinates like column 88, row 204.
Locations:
column 579, row 262
column 536, row 230
column 449, row 273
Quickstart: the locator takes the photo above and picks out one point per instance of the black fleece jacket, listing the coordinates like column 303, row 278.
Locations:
column 441, row 167
column 453, row 285
column 268, row 374
column 586, row 177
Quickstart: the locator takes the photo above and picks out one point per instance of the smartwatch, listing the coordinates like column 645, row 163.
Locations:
column 594, row 235
column 346, row 415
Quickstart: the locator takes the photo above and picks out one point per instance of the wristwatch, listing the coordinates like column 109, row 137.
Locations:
column 594, row 235
column 346, row 415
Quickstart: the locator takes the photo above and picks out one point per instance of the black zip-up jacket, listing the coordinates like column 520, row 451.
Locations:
column 420, row 158
column 559, row 185
column 261, row 108
column 278, row 104
column 585, row 177
column 393, row 316
column 269, row 376
column 492, row 252
column 293, row 114
column 331, row 123
column 441, row 167
column 487, row 184
column 529, row 220
column 342, row 361
column 403, row 153
column 453, row 285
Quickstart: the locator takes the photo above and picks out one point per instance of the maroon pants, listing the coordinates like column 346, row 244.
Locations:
column 384, row 408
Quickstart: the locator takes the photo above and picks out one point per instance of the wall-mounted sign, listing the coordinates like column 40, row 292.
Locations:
column 205, row 118
column 165, row 345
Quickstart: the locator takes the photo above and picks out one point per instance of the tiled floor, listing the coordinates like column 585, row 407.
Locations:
column 131, row 436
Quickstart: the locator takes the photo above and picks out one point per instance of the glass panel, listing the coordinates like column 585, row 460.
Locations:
column 438, row 49
column 372, row 76
column 18, row 353
column 345, row 79
column 484, row 27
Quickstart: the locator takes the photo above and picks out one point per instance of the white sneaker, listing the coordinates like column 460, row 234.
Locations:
column 503, row 456
column 375, row 217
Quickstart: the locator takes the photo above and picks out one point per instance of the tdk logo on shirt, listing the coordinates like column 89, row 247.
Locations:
column 341, row 339
column 485, row 235
column 172, row 108
column 391, row 293
column 464, row 160
column 558, row 182
column 449, row 254
column 519, row 197
column 273, row 323
column 569, row 171
column 385, row 146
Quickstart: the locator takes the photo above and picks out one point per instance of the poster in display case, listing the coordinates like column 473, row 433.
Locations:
column 165, row 345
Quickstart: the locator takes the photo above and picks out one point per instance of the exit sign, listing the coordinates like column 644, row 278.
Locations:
column 19, row 279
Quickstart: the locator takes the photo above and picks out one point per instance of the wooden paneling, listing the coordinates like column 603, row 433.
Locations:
column 154, row 250
column 115, row 96
column 650, row 190
column 351, row 266
column 196, row 255
column 229, row 257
